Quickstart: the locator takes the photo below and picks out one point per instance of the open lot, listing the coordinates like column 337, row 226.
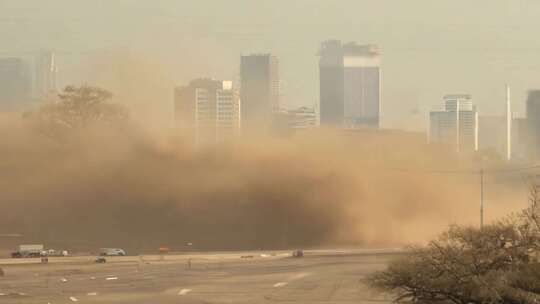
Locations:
column 330, row 276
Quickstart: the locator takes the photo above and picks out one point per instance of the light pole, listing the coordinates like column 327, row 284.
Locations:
column 457, row 125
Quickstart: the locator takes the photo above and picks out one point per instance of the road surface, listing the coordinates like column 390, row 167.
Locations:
column 329, row 276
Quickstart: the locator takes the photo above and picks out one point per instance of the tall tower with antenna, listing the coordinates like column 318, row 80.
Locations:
column 45, row 76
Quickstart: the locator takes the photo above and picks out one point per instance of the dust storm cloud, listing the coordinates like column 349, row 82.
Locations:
column 124, row 186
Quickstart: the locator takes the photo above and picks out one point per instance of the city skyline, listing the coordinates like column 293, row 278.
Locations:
column 46, row 69
column 283, row 151
column 495, row 49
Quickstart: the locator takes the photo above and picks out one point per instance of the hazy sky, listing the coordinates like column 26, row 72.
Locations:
column 429, row 47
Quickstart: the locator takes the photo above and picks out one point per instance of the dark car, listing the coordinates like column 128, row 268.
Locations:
column 101, row 260
column 298, row 254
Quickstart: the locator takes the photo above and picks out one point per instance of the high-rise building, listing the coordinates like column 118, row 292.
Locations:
column 457, row 124
column 520, row 136
column 498, row 134
column 259, row 86
column 45, row 76
column 533, row 122
column 286, row 121
column 15, row 84
column 208, row 110
column 350, row 85
column 492, row 134
column 302, row 118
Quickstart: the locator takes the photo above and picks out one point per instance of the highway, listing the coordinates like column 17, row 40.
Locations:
column 324, row 276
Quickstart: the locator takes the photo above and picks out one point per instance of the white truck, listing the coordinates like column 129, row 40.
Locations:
column 28, row 251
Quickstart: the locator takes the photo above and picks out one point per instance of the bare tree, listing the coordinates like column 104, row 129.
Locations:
column 496, row 264
column 79, row 107
column 531, row 216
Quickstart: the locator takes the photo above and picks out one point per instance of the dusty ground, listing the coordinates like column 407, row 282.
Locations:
column 266, row 277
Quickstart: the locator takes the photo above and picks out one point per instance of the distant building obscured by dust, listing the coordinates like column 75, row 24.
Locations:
column 208, row 110
column 287, row 121
column 302, row 118
column 492, row 136
column 350, row 85
column 45, row 78
column 260, row 88
column 533, row 124
column 457, row 124
column 15, row 84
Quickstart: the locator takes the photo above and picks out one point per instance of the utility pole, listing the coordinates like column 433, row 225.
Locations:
column 457, row 126
column 481, row 198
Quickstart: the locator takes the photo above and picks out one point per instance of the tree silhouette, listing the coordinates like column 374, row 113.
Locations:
column 496, row 264
column 77, row 108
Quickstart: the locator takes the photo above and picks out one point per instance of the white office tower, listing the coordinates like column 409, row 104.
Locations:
column 228, row 120
column 457, row 125
column 45, row 76
column 208, row 110
column 350, row 85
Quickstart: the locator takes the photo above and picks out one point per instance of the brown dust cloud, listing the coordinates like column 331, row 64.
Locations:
column 127, row 187
column 140, row 188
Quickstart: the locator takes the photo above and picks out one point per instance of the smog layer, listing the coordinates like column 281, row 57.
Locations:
column 124, row 186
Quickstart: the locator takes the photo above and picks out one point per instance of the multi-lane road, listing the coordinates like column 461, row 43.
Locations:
column 330, row 276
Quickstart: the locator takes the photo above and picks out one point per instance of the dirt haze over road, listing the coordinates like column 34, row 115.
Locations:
column 125, row 187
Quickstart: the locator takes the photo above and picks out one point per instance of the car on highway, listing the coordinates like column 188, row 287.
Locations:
column 298, row 254
column 112, row 252
column 55, row 253
column 100, row 260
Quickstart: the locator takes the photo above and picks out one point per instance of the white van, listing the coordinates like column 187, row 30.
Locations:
column 112, row 252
